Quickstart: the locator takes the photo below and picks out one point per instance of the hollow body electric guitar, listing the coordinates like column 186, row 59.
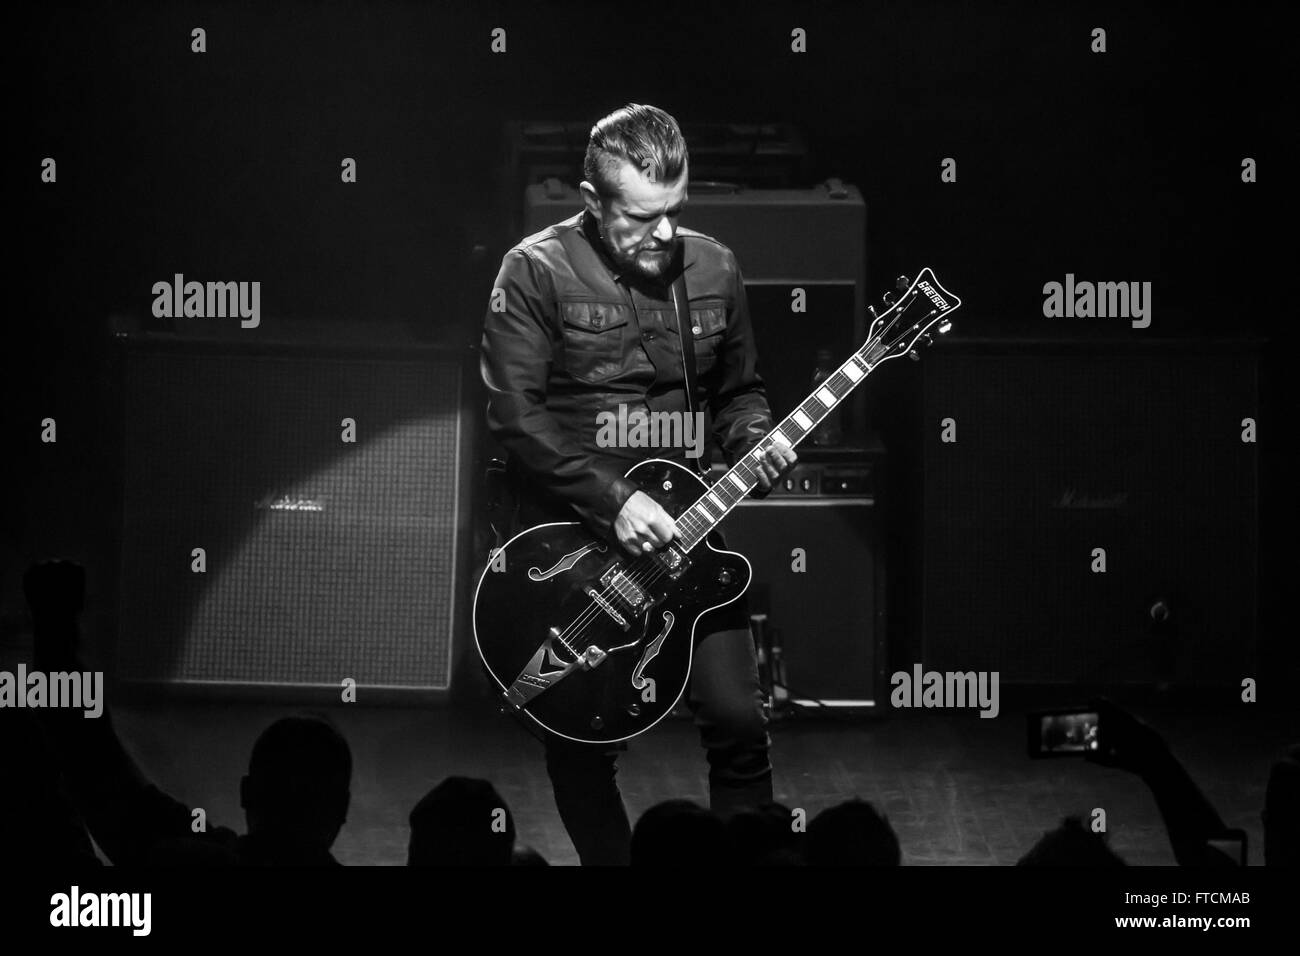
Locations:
column 595, row 646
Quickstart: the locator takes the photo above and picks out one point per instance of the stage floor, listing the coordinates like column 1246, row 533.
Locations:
column 958, row 789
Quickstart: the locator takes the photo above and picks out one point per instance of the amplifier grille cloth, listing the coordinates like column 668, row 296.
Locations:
column 325, row 560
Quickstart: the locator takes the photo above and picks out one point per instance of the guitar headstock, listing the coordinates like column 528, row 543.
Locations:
column 917, row 311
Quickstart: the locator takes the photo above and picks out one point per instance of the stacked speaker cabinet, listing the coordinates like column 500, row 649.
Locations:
column 294, row 518
column 1093, row 516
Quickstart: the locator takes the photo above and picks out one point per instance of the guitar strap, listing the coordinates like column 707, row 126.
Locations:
column 682, row 302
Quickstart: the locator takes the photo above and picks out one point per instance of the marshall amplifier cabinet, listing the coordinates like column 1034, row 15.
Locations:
column 1064, row 454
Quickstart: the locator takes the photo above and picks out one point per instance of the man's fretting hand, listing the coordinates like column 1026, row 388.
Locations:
column 642, row 525
column 778, row 460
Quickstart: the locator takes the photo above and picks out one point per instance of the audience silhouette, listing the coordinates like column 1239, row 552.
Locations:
column 1071, row 844
column 1190, row 820
column 78, row 782
column 461, row 822
column 678, row 833
column 295, row 796
column 765, row 836
column 852, row 834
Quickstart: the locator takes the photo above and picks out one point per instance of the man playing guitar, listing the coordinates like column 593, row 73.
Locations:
column 584, row 319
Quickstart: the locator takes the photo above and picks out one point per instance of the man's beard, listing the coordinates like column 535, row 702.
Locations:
column 647, row 264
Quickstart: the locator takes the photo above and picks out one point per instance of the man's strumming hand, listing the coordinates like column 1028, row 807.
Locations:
column 642, row 525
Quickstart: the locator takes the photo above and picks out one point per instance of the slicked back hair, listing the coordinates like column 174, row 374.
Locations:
column 645, row 136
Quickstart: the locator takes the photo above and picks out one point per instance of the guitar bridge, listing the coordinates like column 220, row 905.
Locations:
column 607, row 606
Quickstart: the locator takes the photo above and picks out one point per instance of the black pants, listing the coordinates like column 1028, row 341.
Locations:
column 727, row 702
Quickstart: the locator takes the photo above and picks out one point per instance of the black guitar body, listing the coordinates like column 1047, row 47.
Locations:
column 592, row 645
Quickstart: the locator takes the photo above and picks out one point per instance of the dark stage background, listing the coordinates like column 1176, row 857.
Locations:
column 1117, row 166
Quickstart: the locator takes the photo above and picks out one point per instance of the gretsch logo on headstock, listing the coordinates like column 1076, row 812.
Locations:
column 932, row 295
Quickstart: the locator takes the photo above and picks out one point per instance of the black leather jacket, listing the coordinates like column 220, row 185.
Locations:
column 567, row 337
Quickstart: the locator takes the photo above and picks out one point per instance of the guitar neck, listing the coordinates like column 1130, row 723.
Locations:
column 694, row 524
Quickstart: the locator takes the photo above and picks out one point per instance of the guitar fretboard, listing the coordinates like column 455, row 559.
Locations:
column 715, row 504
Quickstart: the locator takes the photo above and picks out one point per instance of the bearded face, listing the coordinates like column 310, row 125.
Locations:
column 638, row 225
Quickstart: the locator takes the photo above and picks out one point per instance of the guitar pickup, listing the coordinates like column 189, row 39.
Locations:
column 629, row 593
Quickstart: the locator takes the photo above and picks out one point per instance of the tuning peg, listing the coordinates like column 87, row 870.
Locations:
column 901, row 284
column 887, row 298
column 872, row 309
column 944, row 326
column 913, row 356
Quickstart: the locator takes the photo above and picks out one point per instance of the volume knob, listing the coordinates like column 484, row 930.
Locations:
column 725, row 576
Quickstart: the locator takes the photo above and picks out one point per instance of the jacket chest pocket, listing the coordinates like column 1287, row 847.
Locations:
column 594, row 334
column 708, row 322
